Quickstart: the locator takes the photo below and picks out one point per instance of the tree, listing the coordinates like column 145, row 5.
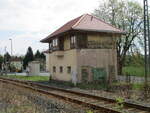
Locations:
column 37, row 55
column 126, row 15
column 28, row 57
column 1, row 61
column 42, row 56
column 7, row 57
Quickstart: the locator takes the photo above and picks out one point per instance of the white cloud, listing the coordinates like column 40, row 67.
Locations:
column 41, row 15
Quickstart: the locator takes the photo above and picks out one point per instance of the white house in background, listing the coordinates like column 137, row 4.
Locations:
column 17, row 63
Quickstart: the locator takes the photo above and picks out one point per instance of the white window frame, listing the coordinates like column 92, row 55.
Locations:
column 73, row 39
column 55, row 42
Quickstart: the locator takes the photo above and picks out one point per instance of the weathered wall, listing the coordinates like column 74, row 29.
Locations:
column 68, row 59
column 66, row 43
column 47, row 62
column 100, row 37
column 98, row 58
column 102, row 58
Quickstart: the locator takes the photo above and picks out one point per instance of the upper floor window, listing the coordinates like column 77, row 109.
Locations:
column 73, row 41
column 50, row 45
column 55, row 42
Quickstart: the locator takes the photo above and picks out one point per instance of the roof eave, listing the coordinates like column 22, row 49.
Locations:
column 48, row 38
column 103, row 31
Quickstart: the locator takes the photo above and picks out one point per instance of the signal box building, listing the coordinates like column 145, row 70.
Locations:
column 83, row 50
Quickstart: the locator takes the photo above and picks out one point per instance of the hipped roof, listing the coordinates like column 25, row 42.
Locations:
column 85, row 23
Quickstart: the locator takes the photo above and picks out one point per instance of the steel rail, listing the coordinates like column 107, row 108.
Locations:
column 33, row 85
column 76, row 101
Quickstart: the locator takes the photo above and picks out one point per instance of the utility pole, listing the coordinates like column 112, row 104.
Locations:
column 146, row 43
column 5, row 59
column 11, row 47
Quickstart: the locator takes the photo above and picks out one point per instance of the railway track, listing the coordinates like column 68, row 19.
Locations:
column 103, row 104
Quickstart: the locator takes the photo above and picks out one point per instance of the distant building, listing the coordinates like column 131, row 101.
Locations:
column 16, row 64
column 83, row 50
column 34, row 68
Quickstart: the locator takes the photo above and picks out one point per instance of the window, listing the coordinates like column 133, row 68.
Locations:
column 61, row 69
column 54, row 69
column 55, row 42
column 82, row 41
column 50, row 46
column 73, row 41
column 69, row 69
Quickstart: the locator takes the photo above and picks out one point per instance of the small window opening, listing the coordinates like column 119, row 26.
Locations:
column 69, row 69
column 61, row 69
column 54, row 69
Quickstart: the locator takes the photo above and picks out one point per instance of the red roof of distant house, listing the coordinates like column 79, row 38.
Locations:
column 47, row 51
column 16, row 60
column 85, row 23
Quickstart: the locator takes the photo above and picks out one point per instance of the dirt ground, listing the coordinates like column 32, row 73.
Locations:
column 17, row 100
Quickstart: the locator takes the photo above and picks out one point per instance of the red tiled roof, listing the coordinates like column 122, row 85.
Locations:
column 66, row 27
column 16, row 60
column 85, row 23
column 46, row 51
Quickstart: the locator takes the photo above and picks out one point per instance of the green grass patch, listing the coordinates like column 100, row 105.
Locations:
column 30, row 78
column 134, row 71
column 137, row 86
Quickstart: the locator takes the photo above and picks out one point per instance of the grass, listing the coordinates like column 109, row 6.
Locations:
column 134, row 71
column 137, row 86
column 30, row 78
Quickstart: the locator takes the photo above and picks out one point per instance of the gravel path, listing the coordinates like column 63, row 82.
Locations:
column 21, row 100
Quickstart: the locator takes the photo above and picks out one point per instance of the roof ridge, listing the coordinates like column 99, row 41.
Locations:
column 77, row 23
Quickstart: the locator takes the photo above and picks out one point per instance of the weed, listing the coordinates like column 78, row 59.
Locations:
column 119, row 103
column 89, row 111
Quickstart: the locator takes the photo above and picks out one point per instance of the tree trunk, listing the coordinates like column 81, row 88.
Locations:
column 120, row 62
column 120, row 66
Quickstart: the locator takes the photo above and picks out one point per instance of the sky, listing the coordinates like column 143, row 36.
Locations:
column 26, row 22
